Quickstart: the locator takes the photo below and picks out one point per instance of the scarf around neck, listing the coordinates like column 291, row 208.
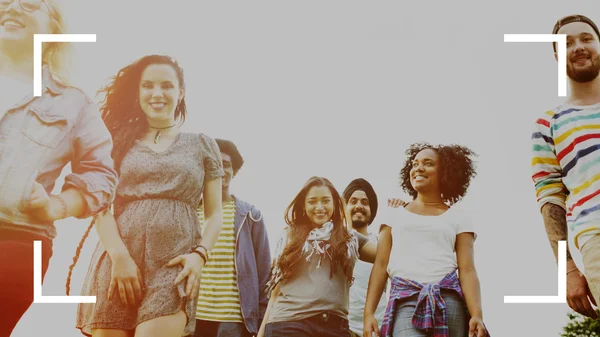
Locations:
column 317, row 245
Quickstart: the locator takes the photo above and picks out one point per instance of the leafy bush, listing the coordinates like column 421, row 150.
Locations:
column 581, row 326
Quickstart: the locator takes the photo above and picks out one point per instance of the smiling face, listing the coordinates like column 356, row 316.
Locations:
column 583, row 51
column 319, row 205
column 424, row 171
column 17, row 24
column 159, row 93
column 359, row 209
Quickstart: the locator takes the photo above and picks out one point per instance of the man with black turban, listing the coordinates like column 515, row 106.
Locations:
column 361, row 202
column 361, row 205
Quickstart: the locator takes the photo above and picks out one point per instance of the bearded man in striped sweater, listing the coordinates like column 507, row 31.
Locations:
column 566, row 162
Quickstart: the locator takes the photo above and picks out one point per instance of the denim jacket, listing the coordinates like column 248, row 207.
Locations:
column 252, row 263
column 39, row 136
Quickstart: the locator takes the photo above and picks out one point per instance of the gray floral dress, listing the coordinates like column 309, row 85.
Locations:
column 155, row 209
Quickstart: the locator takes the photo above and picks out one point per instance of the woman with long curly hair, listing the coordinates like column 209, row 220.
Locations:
column 424, row 247
column 311, row 278
column 145, row 271
column 39, row 136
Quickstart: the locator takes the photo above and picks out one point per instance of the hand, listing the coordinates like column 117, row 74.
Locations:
column 40, row 204
column 476, row 327
column 370, row 326
column 579, row 295
column 395, row 202
column 192, row 270
column 126, row 278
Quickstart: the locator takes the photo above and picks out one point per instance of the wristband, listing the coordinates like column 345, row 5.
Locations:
column 572, row 270
column 204, row 248
column 201, row 254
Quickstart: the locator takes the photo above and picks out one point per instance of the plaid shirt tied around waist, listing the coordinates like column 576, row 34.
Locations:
column 430, row 312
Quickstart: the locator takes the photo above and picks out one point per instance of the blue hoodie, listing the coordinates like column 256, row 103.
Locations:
column 252, row 263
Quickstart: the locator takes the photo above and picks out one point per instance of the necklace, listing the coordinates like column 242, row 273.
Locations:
column 157, row 135
column 431, row 204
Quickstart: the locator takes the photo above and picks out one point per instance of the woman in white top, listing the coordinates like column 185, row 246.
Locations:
column 421, row 248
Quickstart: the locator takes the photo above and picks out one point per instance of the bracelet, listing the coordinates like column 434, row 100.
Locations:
column 201, row 254
column 574, row 269
column 205, row 249
column 64, row 208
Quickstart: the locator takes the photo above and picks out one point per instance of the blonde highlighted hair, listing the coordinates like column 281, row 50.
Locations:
column 57, row 55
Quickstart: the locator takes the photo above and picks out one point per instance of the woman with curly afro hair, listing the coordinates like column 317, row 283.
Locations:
column 424, row 246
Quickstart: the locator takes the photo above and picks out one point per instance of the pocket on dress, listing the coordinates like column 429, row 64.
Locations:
column 44, row 127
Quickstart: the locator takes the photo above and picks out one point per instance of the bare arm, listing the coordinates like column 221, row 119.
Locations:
column 551, row 193
column 555, row 221
column 368, row 252
column 377, row 281
column 192, row 263
column 379, row 272
column 212, row 213
column 108, row 233
column 126, row 278
column 579, row 295
column 469, row 281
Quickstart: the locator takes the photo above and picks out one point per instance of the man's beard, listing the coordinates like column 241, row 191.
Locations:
column 586, row 74
column 359, row 224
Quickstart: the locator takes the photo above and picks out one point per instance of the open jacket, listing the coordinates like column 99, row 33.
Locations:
column 252, row 263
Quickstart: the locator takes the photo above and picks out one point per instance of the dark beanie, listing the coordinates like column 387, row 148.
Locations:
column 363, row 185
column 570, row 19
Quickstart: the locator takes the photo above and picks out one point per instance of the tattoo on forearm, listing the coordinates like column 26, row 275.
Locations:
column 555, row 221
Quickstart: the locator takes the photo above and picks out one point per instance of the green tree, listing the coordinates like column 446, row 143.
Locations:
column 581, row 326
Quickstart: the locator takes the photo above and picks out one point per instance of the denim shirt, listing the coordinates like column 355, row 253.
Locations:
column 38, row 137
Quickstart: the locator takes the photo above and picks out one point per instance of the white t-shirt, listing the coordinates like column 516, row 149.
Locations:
column 423, row 247
column 358, row 296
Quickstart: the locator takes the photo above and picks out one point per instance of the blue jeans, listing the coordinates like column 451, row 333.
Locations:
column 456, row 312
column 324, row 324
column 220, row 329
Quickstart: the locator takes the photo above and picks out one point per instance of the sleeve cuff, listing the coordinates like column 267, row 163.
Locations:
column 96, row 196
column 213, row 171
column 552, row 200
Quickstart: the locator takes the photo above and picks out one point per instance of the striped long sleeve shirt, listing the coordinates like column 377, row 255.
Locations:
column 565, row 165
column 219, row 298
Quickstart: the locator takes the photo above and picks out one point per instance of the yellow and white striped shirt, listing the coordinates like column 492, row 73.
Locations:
column 219, row 298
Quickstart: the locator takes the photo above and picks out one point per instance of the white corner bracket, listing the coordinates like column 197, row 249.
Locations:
column 562, row 283
column 38, row 39
column 37, row 283
column 561, row 43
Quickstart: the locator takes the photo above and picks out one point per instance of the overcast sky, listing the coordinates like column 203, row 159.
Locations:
column 340, row 89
